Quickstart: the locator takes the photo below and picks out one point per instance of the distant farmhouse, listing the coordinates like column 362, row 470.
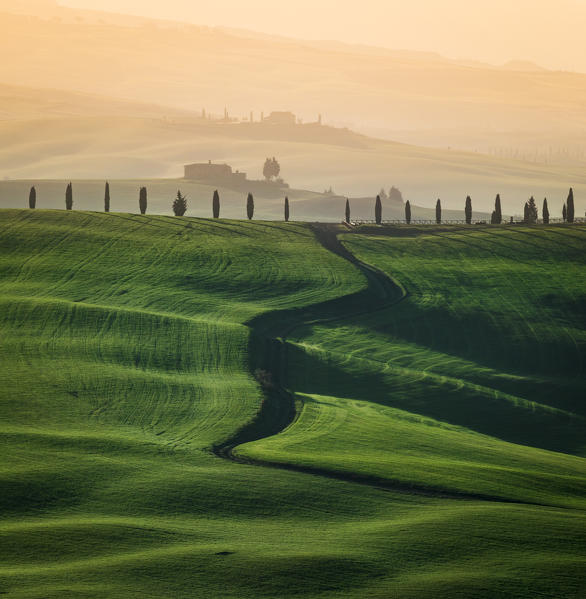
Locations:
column 222, row 175
column 279, row 118
column 207, row 172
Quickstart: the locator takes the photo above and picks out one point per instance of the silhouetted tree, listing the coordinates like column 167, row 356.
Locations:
column 107, row 198
column 526, row 212
column 408, row 212
column 271, row 168
column 216, row 205
column 250, row 206
column 142, row 200
column 564, row 213
column 545, row 212
column 395, row 195
column 468, row 210
column 69, row 197
column 179, row 204
column 286, row 209
column 347, row 213
column 32, row 198
column 531, row 217
column 498, row 214
column 570, row 207
column 438, row 212
column 378, row 210
column 493, row 218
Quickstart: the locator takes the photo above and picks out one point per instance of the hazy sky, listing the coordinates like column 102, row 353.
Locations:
column 548, row 32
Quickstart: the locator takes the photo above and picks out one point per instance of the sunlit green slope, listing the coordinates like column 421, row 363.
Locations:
column 127, row 348
column 473, row 382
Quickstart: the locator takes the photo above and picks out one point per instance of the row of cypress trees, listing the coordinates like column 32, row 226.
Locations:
column 179, row 203
column 530, row 211
column 180, row 207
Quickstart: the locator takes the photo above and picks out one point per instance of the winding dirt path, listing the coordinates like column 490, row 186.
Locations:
column 278, row 411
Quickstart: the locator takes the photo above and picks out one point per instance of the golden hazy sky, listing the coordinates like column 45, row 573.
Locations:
column 548, row 32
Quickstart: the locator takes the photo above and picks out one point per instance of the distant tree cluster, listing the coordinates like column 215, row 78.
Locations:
column 271, row 169
column 395, row 195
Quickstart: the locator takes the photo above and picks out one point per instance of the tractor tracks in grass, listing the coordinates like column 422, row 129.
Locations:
column 280, row 408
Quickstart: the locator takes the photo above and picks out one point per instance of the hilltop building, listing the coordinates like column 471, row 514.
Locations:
column 213, row 173
column 280, row 118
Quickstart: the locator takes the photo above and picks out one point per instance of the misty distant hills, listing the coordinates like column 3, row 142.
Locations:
column 52, row 134
column 368, row 89
column 95, row 95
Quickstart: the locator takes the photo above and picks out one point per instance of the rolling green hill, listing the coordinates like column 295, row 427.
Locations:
column 429, row 384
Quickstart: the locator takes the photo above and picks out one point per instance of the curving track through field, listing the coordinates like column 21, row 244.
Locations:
column 281, row 408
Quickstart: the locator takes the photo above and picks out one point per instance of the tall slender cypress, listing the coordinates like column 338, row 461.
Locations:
column 468, row 210
column 250, row 206
column 32, row 198
column 69, row 197
column 378, row 210
column 286, row 209
column 216, row 205
column 408, row 212
column 347, row 212
column 545, row 212
column 438, row 212
column 107, row 198
column 564, row 213
column 570, row 206
column 531, row 211
column 498, row 214
column 142, row 200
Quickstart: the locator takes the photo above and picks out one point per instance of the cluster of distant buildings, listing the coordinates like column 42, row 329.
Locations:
column 283, row 118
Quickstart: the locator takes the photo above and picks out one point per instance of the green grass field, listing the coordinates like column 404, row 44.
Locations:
column 437, row 447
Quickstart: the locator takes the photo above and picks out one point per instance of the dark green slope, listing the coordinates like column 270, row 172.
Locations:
column 128, row 348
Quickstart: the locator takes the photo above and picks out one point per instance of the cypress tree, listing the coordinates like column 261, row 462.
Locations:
column 216, row 205
column 531, row 217
column 570, row 206
column 565, row 213
column 468, row 210
column 69, row 197
column 286, row 209
column 250, row 206
column 32, row 198
column 142, row 200
column 545, row 212
column 107, row 198
column 179, row 204
column 378, row 210
column 438, row 212
column 347, row 214
column 408, row 212
column 498, row 214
